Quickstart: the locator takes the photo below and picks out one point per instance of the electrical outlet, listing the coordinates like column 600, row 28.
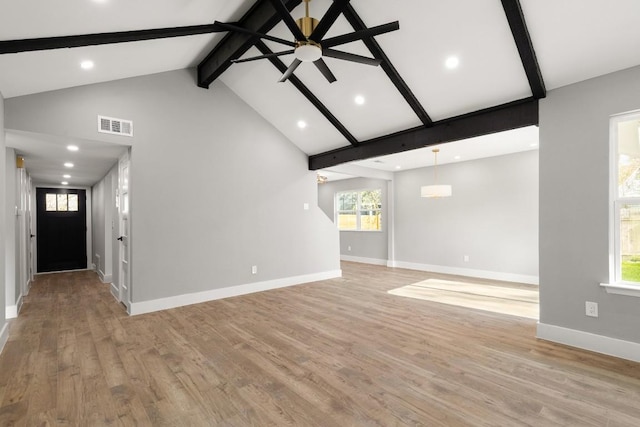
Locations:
column 591, row 309
column 305, row 206
column 254, row 269
column 466, row 258
column 349, row 248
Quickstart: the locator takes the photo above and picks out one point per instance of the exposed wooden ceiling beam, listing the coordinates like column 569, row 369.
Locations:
column 261, row 18
column 307, row 94
column 375, row 49
column 496, row 119
column 48, row 43
column 513, row 10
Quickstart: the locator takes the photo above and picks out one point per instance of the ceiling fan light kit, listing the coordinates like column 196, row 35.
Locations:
column 308, row 52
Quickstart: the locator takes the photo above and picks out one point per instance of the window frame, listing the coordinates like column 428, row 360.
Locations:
column 616, row 285
column 358, row 210
column 57, row 197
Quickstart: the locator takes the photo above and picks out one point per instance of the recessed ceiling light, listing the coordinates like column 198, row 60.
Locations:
column 68, row 165
column 457, row 157
column 398, row 167
column 359, row 99
column 72, row 147
column 302, row 124
column 534, row 144
column 64, row 183
column 86, row 65
column 452, row 62
column 66, row 176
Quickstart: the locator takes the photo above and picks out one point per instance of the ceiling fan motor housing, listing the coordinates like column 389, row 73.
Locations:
column 307, row 50
column 307, row 25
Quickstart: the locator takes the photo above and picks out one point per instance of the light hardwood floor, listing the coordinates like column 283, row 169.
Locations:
column 341, row 352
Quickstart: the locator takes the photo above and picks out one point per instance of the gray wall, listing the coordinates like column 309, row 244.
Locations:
column 492, row 216
column 574, row 205
column 364, row 244
column 97, row 225
column 3, row 322
column 215, row 188
column 102, row 197
column 12, row 284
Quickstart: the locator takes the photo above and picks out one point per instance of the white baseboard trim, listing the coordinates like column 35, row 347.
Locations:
column 114, row 291
column 231, row 291
column 482, row 274
column 363, row 260
column 4, row 336
column 11, row 311
column 104, row 278
column 588, row 341
column 41, row 273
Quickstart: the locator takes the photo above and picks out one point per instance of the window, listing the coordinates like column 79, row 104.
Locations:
column 61, row 202
column 359, row 210
column 626, row 197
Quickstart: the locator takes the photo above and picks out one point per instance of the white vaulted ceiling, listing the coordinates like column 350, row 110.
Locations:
column 574, row 40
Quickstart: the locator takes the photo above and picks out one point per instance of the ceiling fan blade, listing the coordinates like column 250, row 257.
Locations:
column 288, row 19
column 337, row 54
column 290, row 70
column 328, row 19
column 326, row 72
column 231, row 27
column 48, row 43
column 269, row 55
column 359, row 35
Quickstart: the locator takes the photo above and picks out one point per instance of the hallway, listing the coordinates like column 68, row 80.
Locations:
column 333, row 353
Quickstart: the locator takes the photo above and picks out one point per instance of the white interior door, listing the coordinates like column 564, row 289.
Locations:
column 32, row 233
column 29, row 235
column 124, row 288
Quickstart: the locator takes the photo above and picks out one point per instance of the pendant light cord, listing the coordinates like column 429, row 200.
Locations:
column 435, row 167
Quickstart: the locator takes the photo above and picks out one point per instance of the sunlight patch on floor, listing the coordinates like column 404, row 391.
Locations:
column 514, row 301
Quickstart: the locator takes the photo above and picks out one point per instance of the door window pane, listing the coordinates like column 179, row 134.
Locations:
column 73, row 202
column 51, row 202
column 62, row 202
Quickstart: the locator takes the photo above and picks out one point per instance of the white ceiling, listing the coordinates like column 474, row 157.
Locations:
column 45, row 156
column 497, row 144
column 574, row 40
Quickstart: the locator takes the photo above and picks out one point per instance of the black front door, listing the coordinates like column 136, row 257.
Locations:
column 62, row 229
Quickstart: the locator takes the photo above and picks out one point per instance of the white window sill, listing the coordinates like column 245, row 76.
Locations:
column 622, row 289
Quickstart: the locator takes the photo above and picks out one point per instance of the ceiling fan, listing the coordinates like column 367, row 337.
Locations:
column 308, row 32
column 309, row 45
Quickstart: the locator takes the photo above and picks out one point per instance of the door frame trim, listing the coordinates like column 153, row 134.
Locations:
column 124, row 299
column 89, row 231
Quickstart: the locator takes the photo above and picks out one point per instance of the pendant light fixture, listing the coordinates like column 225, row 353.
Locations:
column 435, row 190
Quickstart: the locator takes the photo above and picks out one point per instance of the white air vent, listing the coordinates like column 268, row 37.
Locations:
column 115, row 126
